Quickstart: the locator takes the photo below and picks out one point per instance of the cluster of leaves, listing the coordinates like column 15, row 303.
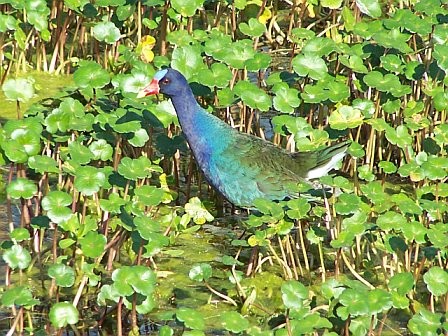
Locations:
column 90, row 174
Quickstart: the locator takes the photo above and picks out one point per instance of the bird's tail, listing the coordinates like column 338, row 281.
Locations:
column 324, row 160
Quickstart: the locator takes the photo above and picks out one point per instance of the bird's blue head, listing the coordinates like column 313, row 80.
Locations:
column 170, row 82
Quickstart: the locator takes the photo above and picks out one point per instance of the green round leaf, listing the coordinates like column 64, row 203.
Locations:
column 18, row 296
column 64, row 275
column 90, row 75
column 21, row 188
column 55, row 203
column 200, row 272
column 234, row 321
column 20, row 89
column 20, row 234
column 107, row 32
column 191, row 318
column 17, row 257
column 437, row 280
column 310, row 65
column 63, row 313
column 294, row 294
column 253, row 28
column 89, row 180
column 93, row 244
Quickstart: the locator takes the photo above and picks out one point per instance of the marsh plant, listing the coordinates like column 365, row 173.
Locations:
column 113, row 227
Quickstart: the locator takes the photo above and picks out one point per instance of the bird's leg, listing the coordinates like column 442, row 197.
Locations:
column 252, row 261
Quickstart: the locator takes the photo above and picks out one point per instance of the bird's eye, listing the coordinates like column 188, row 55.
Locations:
column 165, row 81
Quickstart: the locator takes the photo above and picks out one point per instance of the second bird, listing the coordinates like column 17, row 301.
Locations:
column 240, row 166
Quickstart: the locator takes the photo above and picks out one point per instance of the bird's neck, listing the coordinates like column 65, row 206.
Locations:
column 187, row 110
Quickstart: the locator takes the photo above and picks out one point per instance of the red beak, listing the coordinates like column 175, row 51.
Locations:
column 150, row 89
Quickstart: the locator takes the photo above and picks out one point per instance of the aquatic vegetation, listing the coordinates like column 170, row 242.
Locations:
column 117, row 227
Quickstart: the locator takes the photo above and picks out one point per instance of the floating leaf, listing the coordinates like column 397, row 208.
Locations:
column 234, row 321
column 200, row 272
column 191, row 318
